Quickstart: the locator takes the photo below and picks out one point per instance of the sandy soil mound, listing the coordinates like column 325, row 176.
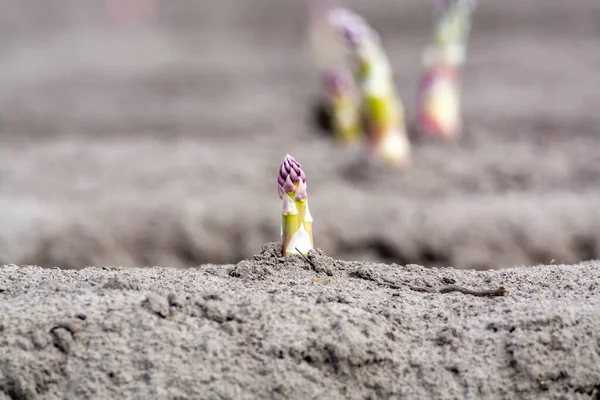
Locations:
column 158, row 144
column 322, row 328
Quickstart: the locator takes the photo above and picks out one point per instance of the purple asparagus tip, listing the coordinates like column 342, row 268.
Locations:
column 352, row 27
column 291, row 177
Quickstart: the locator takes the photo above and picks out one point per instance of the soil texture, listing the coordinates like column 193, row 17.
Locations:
column 157, row 143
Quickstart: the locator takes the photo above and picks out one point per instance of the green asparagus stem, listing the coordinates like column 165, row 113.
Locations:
column 382, row 111
column 296, row 220
column 438, row 95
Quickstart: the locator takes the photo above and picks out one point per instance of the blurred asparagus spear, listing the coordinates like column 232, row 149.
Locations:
column 296, row 221
column 341, row 102
column 438, row 92
column 382, row 111
column 339, row 97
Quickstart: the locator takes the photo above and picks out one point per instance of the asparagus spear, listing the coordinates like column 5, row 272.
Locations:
column 296, row 220
column 438, row 93
column 382, row 110
column 339, row 97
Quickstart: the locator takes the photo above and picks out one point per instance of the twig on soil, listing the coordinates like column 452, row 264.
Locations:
column 312, row 264
column 501, row 291
column 390, row 285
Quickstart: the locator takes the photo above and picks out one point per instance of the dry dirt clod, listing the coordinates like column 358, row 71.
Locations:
column 40, row 339
column 249, row 270
column 318, row 262
column 174, row 300
column 63, row 335
column 120, row 283
column 63, row 339
column 365, row 272
column 156, row 304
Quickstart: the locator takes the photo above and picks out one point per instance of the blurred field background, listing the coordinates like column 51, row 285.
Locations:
column 148, row 132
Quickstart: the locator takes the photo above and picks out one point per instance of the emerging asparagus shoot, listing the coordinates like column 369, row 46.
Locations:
column 382, row 111
column 296, row 221
column 438, row 93
column 341, row 102
column 339, row 98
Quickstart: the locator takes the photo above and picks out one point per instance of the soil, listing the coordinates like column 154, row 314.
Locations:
column 158, row 143
column 274, row 328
